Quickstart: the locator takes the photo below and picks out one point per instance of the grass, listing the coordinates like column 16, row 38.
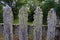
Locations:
column 1, row 37
column 16, row 37
column 16, row 22
column 30, row 23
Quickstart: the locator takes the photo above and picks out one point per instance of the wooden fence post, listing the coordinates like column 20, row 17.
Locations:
column 51, row 21
column 23, row 17
column 8, row 21
column 38, row 17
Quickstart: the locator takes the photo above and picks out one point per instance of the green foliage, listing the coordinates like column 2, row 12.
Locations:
column 32, row 4
column 57, row 9
column 1, row 14
column 30, row 16
column 59, row 1
column 9, row 2
column 46, row 6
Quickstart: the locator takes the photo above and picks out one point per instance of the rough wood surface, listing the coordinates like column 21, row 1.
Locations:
column 23, row 17
column 8, row 20
column 51, row 21
column 38, row 16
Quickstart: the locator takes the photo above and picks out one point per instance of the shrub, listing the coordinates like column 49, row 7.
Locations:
column 46, row 6
column 1, row 14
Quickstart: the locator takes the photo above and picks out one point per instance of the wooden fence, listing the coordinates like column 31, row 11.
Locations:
column 23, row 29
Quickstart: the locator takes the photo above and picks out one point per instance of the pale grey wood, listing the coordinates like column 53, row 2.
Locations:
column 57, row 1
column 23, row 17
column 51, row 21
column 38, row 17
column 8, row 21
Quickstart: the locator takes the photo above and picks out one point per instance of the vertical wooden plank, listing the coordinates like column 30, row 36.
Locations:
column 51, row 21
column 8, row 21
column 23, row 17
column 38, row 17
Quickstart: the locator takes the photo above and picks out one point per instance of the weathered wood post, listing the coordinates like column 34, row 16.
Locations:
column 8, row 21
column 51, row 21
column 23, row 17
column 57, row 1
column 38, row 16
